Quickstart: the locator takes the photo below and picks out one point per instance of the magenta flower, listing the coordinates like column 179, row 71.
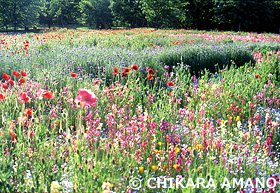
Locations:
column 86, row 98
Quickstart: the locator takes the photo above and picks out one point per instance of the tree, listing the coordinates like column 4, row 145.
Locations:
column 19, row 12
column 96, row 12
column 244, row 14
column 155, row 11
column 127, row 13
column 47, row 13
column 65, row 11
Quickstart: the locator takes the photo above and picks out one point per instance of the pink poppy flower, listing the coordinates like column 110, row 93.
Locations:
column 24, row 98
column 86, row 98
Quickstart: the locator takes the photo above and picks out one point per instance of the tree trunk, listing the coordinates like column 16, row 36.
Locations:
column 15, row 26
column 62, row 23
column 156, row 22
column 239, row 26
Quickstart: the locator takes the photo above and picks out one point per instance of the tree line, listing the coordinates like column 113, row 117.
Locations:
column 237, row 15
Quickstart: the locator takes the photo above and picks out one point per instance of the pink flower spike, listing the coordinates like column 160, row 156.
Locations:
column 86, row 98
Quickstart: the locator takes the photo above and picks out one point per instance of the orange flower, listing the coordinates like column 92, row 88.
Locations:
column 165, row 167
column 170, row 84
column 13, row 135
column 74, row 75
column 28, row 111
column 141, row 170
column 23, row 73
column 150, row 77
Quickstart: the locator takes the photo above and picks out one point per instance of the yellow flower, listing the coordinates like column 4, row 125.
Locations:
column 229, row 117
column 175, row 166
column 227, row 146
column 248, row 135
column 177, row 149
column 190, row 149
column 159, row 143
column 198, row 147
column 154, row 168
column 141, row 170
column 55, row 187
column 237, row 118
column 157, row 151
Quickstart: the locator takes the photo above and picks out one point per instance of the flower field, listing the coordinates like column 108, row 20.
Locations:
column 89, row 110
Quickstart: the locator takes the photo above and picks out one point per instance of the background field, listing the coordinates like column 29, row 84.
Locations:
column 98, row 107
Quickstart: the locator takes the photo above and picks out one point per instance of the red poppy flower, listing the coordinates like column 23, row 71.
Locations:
column 28, row 111
column 134, row 67
column 15, row 73
column 74, row 75
column 126, row 70
column 150, row 77
column 123, row 74
column 21, row 80
column 47, row 94
column 151, row 71
column 11, row 82
column 2, row 97
column 96, row 81
column 23, row 73
column 6, row 77
column 257, row 76
column 115, row 71
column 23, row 97
column 152, row 44
column 13, row 136
column 269, row 54
column 1, row 133
column 170, row 84
column 5, row 86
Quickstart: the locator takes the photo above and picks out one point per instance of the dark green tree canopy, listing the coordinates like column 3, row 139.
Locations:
column 245, row 15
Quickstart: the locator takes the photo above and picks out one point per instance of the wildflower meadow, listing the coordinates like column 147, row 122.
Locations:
column 90, row 110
